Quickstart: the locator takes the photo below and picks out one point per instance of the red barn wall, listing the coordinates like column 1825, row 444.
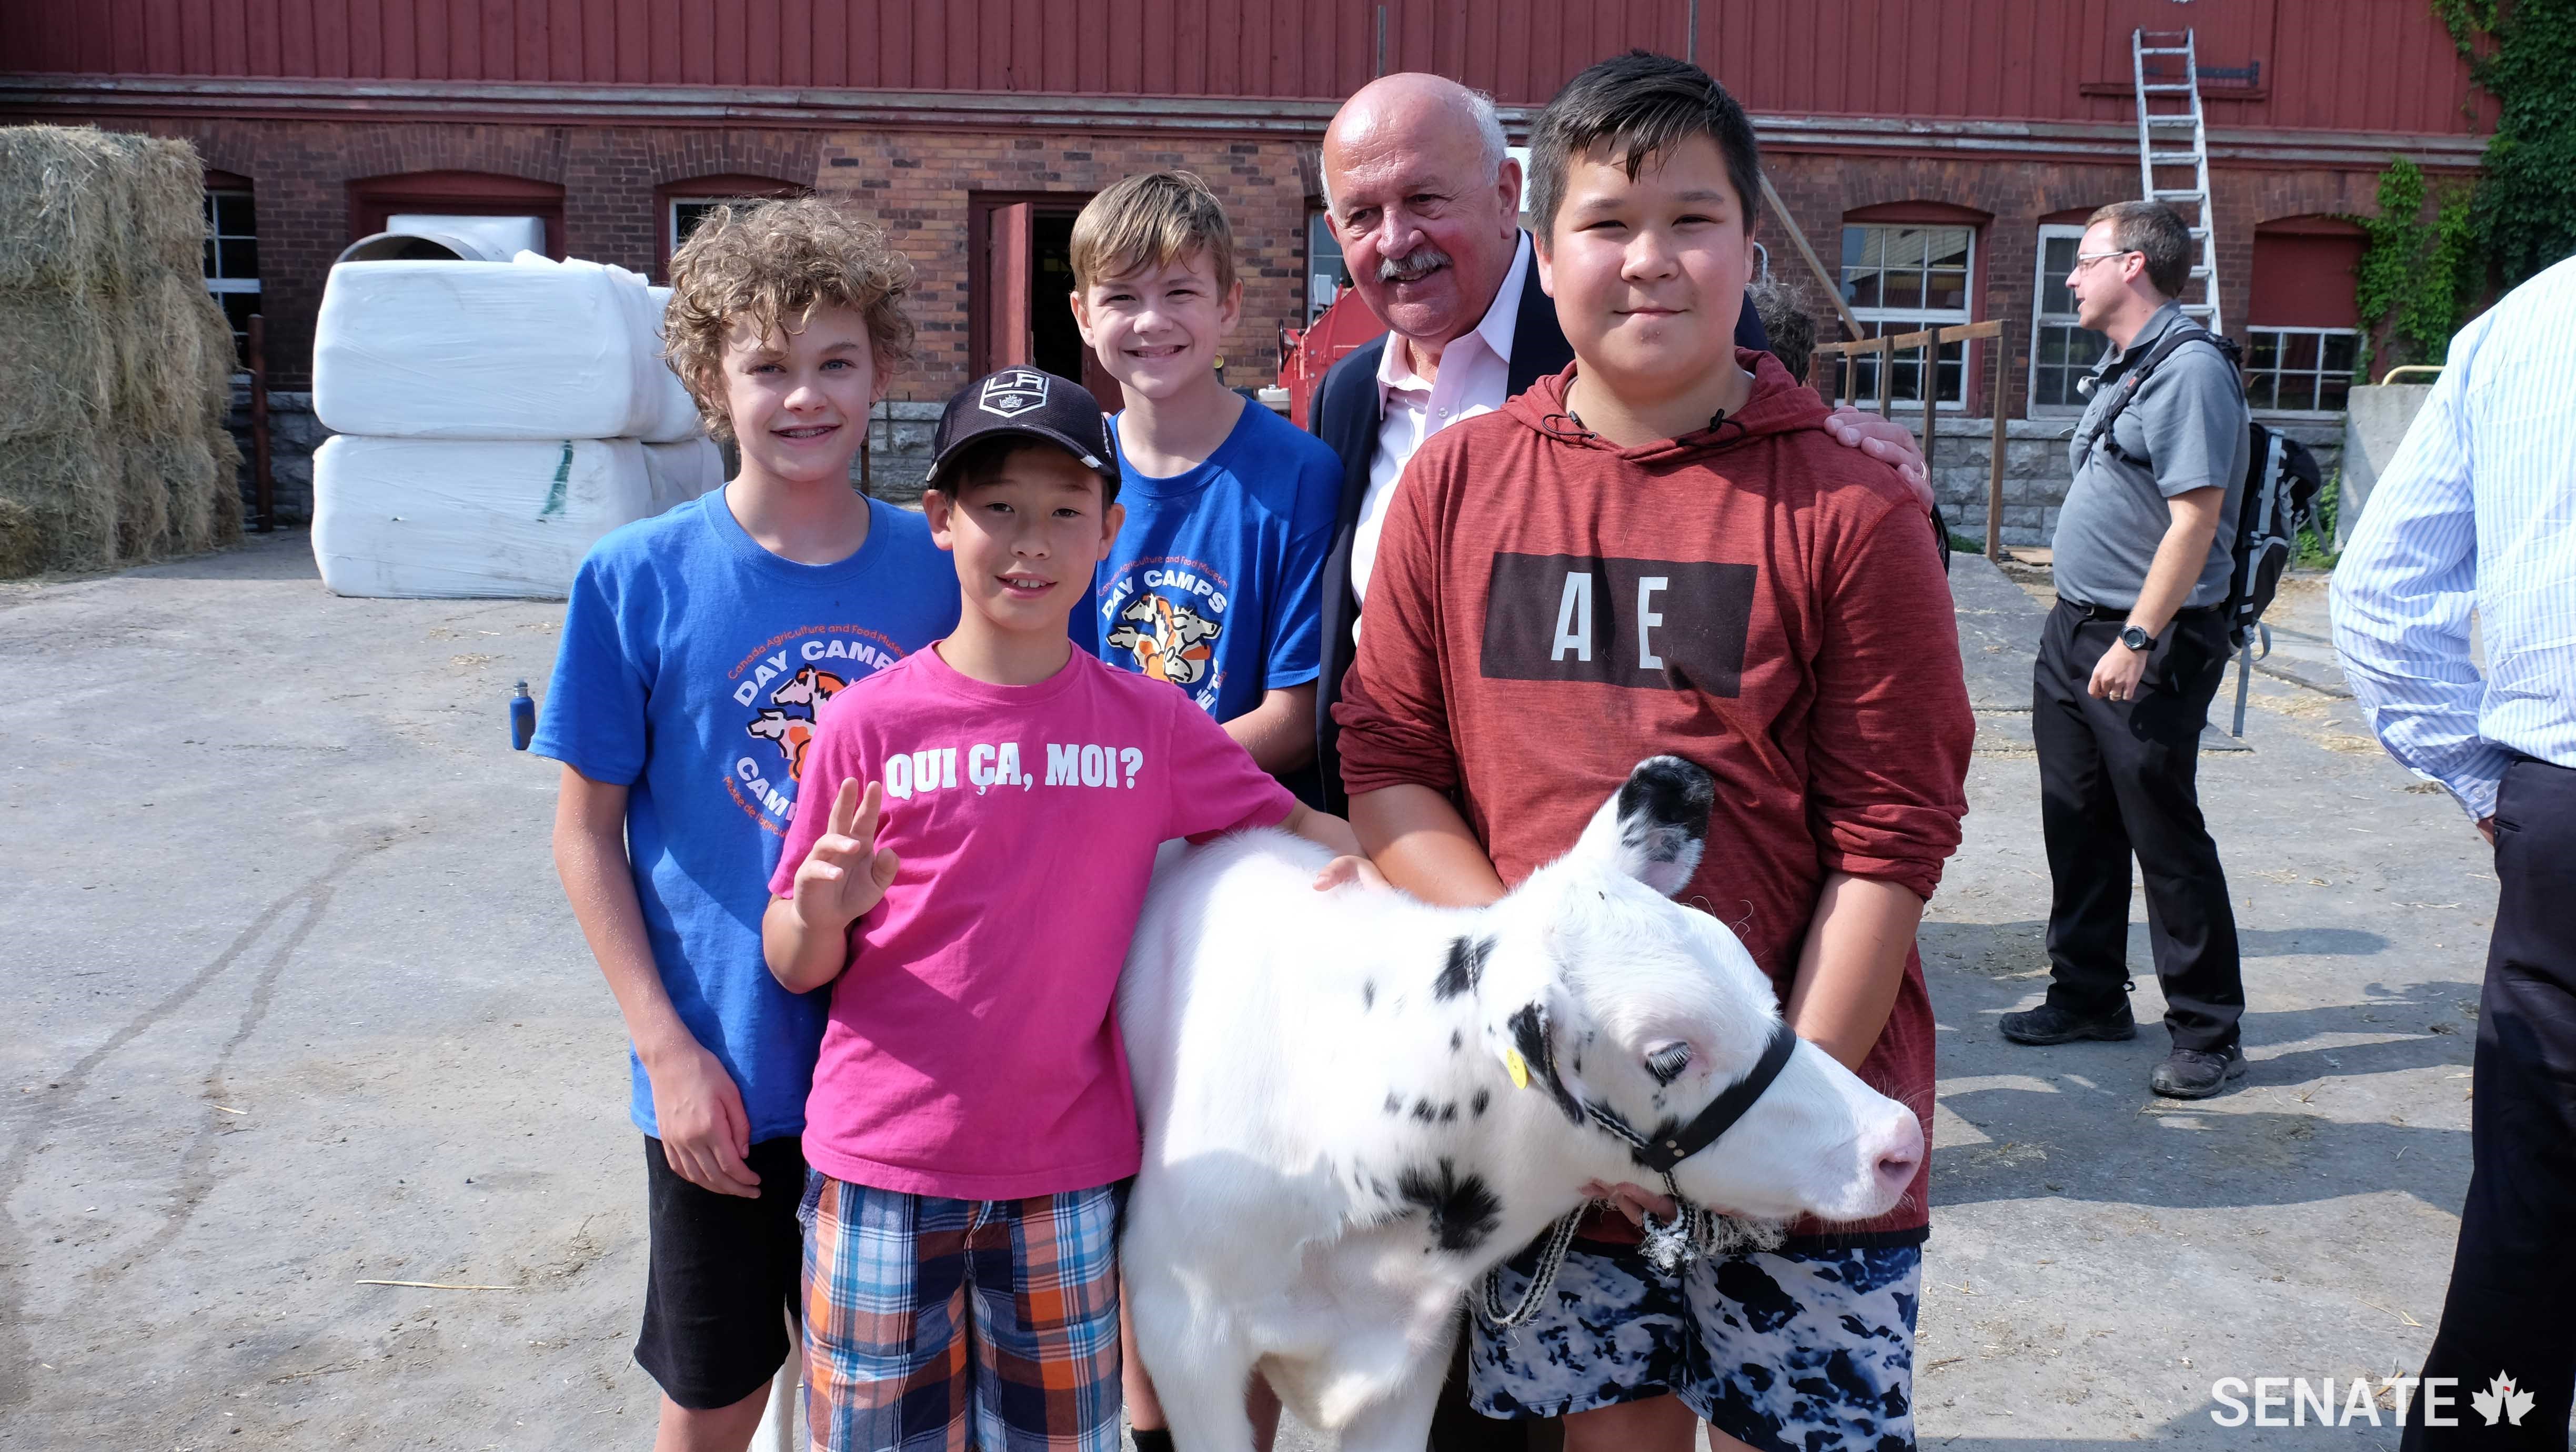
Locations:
column 2356, row 65
column 2015, row 109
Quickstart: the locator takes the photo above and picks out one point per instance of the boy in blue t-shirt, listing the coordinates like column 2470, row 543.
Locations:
column 1214, row 584
column 697, row 650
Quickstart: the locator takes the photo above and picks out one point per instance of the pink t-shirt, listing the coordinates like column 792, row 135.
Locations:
column 973, row 1050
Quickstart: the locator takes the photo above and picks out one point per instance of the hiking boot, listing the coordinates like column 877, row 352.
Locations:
column 2049, row 1024
column 2197, row 1073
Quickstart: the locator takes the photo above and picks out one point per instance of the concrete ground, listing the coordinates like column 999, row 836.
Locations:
column 295, row 1006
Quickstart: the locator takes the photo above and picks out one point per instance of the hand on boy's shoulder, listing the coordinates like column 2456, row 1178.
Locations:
column 1889, row 442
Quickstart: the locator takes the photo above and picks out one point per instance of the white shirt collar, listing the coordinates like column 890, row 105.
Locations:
column 1501, row 320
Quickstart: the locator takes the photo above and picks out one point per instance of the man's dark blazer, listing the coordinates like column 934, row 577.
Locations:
column 1345, row 414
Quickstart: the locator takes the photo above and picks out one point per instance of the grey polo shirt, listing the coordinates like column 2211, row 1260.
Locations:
column 2189, row 423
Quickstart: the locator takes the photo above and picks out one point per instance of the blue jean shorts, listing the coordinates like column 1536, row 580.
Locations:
column 1787, row 1352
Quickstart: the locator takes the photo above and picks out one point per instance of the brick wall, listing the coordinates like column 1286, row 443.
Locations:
column 300, row 173
column 1819, row 189
column 920, row 187
column 917, row 184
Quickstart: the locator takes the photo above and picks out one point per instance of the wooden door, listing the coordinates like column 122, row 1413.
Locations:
column 1005, row 284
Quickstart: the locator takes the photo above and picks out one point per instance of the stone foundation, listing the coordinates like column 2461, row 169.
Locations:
column 2036, row 472
column 293, row 434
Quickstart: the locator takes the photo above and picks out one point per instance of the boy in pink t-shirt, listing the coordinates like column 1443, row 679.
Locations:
column 971, row 1110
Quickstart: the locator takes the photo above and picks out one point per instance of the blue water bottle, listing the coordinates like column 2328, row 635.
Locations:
column 523, row 718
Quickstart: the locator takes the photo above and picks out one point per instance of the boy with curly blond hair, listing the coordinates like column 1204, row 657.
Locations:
column 697, row 650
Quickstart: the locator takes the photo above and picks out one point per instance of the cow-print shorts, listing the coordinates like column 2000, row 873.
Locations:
column 1787, row 1352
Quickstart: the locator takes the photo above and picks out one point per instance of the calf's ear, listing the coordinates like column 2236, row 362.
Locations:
column 1654, row 827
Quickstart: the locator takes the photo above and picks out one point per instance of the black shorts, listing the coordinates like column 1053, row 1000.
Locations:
column 722, row 1277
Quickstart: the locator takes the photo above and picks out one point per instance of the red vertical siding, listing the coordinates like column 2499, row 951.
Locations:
column 2365, row 65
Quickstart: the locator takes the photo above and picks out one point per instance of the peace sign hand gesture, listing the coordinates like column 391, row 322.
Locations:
column 846, row 873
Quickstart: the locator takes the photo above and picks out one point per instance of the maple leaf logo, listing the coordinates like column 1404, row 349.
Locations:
column 2502, row 1401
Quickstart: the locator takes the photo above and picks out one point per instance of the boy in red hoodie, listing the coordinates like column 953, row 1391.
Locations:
column 1662, row 550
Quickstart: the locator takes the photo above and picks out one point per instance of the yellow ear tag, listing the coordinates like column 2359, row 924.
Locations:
column 1519, row 1066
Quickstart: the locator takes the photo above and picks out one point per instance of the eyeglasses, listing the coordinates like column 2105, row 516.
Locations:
column 2086, row 259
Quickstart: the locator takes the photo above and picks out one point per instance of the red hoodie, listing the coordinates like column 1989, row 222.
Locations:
column 1548, row 609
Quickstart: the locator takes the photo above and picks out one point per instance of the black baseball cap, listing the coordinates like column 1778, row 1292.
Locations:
column 1030, row 403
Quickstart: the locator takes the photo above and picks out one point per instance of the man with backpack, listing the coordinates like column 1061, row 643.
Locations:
column 2132, row 656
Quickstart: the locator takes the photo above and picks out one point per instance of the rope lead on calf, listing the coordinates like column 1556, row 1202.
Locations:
column 1542, row 1277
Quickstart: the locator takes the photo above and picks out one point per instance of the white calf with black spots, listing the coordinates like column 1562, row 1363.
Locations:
column 1356, row 1104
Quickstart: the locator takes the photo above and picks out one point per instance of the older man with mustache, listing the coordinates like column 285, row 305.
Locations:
column 1425, row 202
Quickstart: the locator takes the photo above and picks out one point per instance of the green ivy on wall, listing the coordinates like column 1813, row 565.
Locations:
column 2523, row 52
column 2416, row 277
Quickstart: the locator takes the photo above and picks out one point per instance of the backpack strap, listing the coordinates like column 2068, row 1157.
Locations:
column 2130, row 382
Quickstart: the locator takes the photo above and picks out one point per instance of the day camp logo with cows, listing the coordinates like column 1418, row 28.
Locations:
column 1165, row 614
column 781, row 687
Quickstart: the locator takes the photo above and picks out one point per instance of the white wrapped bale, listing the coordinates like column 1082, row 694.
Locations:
column 675, row 414
column 683, row 471
column 485, row 350
column 456, row 518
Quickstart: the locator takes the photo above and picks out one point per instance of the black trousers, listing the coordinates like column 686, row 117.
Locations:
column 2512, row 1307
column 2122, row 777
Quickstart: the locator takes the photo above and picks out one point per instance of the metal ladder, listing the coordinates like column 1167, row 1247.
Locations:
column 2160, row 136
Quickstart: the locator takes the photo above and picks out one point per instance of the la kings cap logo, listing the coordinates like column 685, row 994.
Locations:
column 1013, row 392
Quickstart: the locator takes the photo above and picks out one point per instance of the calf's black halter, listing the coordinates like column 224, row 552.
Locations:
column 1672, row 1245
column 1719, row 1117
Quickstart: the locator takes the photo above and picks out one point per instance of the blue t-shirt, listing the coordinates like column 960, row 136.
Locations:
column 1216, row 582
column 692, row 665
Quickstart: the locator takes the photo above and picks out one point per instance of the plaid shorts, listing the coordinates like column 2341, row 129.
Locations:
column 948, row 1324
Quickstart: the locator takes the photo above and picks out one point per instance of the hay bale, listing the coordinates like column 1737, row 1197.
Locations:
column 54, row 202
column 202, row 498
column 164, row 367
column 225, row 507
column 143, row 495
column 217, row 360
column 165, row 185
column 21, row 551
column 85, row 210
column 57, row 357
column 64, row 488
column 176, row 495
column 115, row 365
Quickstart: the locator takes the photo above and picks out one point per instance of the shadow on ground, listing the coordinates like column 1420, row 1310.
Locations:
column 2076, row 1121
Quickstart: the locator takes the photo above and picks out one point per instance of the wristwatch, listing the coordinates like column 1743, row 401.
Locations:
column 2136, row 639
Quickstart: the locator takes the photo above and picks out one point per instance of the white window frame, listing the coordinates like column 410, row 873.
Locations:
column 1917, row 318
column 2040, row 284
column 2319, row 372
column 671, row 214
column 216, row 283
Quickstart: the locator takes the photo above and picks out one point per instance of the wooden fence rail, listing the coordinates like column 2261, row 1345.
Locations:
column 1930, row 341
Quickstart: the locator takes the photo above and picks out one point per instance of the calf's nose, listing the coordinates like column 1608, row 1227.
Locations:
column 1902, row 1156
